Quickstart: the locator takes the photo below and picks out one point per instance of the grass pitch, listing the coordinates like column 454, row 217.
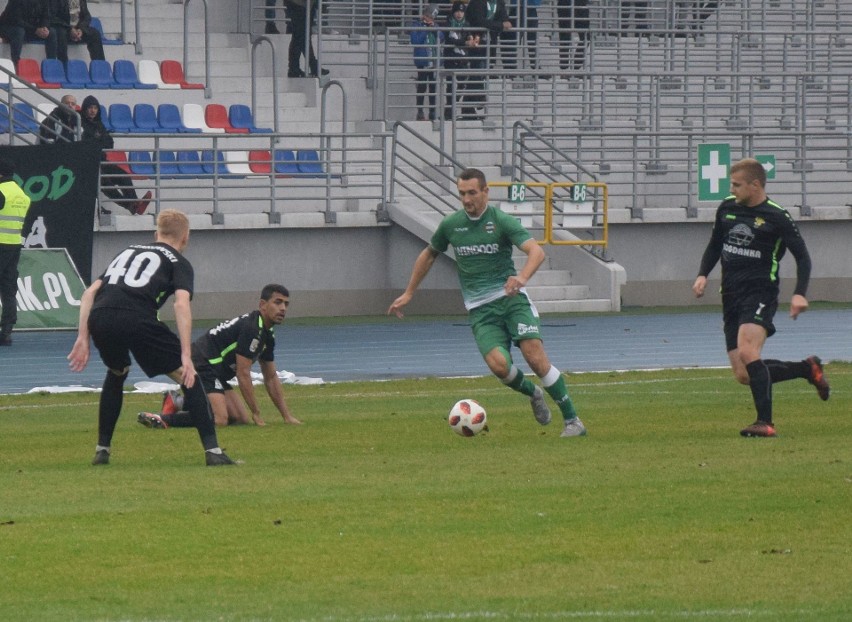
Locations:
column 375, row 511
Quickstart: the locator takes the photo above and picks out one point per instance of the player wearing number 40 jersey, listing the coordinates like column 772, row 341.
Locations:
column 119, row 312
column 751, row 235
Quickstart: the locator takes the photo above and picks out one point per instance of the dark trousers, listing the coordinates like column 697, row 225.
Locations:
column 573, row 19
column 91, row 37
column 116, row 184
column 9, row 256
column 299, row 16
column 426, row 83
column 16, row 36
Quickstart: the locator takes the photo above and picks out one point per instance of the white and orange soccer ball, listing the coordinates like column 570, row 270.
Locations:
column 467, row 418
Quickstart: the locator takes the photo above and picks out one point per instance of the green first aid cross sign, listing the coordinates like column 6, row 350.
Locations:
column 714, row 162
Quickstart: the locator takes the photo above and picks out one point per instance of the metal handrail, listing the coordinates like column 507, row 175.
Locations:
column 254, row 46
column 207, row 90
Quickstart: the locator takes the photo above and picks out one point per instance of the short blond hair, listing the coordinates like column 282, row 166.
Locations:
column 752, row 169
column 172, row 224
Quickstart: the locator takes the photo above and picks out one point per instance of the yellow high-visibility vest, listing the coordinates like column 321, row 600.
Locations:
column 13, row 213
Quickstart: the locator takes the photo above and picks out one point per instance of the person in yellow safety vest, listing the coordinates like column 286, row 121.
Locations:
column 14, row 205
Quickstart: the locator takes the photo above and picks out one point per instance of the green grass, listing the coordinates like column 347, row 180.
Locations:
column 374, row 510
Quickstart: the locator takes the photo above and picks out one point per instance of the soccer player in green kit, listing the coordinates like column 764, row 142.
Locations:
column 500, row 312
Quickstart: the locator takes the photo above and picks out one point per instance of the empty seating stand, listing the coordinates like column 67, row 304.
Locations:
column 30, row 70
column 124, row 72
column 193, row 118
column 215, row 115
column 149, row 73
column 168, row 116
column 172, row 73
column 97, row 25
column 241, row 117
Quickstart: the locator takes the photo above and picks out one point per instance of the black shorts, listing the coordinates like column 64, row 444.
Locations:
column 211, row 380
column 118, row 333
column 749, row 307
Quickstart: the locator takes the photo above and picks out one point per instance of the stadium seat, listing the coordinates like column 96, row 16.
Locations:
column 189, row 163
column 238, row 163
column 30, row 70
column 43, row 110
column 4, row 119
column 168, row 164
column 100, row 72
column 145, row 118
column 309, row 163
column 240, row 117
column 121, row 119
column 52, row 71
column 6, row 63
column 124, row 72
column 149, row 73
column 172, row 73
column 168, row 116
column 193, row 118
column 217, row 116
column 141, row 163
column 260, row 161
column 208, row 163
column 119, row 158
column 25, row 121
column 77, row 75
column 285, row 162
column 97, row 25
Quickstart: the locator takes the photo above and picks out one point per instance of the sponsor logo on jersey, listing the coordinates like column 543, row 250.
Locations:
column 526, row 329
column 254, row 344
column 477, row 249
column 758, row 222
column 460, row 229
column 741, row 235
column 489, row 227
column 743, row 252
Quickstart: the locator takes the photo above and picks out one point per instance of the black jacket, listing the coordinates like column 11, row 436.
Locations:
column 27, row 14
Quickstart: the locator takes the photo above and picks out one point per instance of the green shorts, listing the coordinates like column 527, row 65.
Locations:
column 504, row 322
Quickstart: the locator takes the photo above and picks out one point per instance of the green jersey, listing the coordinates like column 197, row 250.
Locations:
column 483, row 249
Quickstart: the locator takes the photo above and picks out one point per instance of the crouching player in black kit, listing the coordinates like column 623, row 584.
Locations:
column 119, row 311
column 227, row 351
column 751, row 234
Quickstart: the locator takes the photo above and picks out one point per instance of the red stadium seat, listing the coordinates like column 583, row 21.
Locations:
column 260, row 161
column 30, row 70
column 217, row 116
column 172, row 73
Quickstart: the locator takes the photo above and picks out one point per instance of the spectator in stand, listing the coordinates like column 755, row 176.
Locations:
column 271, row 28
column 492, row 17
column 115, row 183
column 22, row 19
column 573, row 19
column 529, row 20
column 639, row 11
column 298, row 14
column 72, row 22
column 424, row 38
column 462, row 50
column 59, row 126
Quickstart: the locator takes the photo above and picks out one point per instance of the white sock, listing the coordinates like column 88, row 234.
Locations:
column 550, row 377
column 101, row 448
column 215, row 450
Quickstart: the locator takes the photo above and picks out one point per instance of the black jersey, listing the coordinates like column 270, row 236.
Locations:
column 142, row 277
column 244, row 335
column 751, row 242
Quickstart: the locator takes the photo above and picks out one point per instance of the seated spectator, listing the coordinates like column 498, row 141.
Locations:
column 72, row 22
column 115, row 183
column 59, row 125
column 22, row 19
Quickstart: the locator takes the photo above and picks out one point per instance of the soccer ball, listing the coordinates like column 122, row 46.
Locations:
column 467, row 418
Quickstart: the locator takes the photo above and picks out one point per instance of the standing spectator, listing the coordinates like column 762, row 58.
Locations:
column 424, row 38
column 529, row 20
column 298, row 14
column 72, row 22
column 271, row 28
column 14, row 205
column 492, row 17
column 119, row 313
column 27, row 18
column 115, row 183
column 501, row 314
column 60, row 124
column 750, row 235
column 573, row 16
column 461, row 51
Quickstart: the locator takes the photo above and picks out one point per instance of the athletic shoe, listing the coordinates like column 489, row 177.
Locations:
column 152, row 420
column 101, row 457
column 573, row 427
column 172, row 402
column 818, row 377
column 539, row 407
column 142, row 204
column 217, row 459
column 759, row 429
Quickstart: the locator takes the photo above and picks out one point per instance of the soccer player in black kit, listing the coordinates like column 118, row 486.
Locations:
column 119, row 312
column 751, row 235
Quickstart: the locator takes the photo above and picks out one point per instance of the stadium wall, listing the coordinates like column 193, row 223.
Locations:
column 359, row 271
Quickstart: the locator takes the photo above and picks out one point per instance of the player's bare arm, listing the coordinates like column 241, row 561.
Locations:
column 78, row 358
column 247, row 388
column 183, row 321
column 422, row 265
column 535, row 257
column 276, row 393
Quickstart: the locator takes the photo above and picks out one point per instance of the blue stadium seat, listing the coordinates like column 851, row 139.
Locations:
column 285, row 162
column 309, row 163
column 53, row 71
column 145, row 118
column 240, row 117
column 97, row 25
column 4, row 119
column 168, row 164
column 24, row 118
column 77, row 75
column 208, row 164
column 124, row 72
column 168, row 115
column 121, row 119
column 189, row 163
column 141, row 163
column 101, row 74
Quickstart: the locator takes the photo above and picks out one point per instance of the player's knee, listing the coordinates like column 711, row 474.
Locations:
column 121, row 373
column 499, row 362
